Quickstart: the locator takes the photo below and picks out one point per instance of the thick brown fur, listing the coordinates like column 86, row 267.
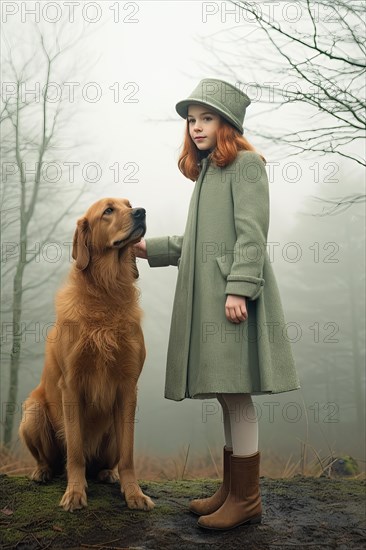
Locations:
column 82, row 413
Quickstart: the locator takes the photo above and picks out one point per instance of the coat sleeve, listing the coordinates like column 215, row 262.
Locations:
column 250, row 193
column 163, row 251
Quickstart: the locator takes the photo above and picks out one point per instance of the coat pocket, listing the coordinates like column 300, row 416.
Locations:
column 225, row 262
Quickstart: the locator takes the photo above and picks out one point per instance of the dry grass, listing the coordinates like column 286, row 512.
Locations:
column 14, row 465
column 189, row 465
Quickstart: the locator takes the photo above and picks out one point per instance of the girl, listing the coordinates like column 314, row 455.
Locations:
column 227, row 337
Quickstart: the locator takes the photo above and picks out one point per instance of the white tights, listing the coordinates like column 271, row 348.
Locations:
column 240, row 422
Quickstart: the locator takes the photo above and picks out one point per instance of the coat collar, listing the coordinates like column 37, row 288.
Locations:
column 205, row 160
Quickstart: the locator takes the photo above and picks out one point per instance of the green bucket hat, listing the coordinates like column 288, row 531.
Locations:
column 228, row 100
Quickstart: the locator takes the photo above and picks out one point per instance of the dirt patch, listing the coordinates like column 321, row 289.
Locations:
column 301, row 512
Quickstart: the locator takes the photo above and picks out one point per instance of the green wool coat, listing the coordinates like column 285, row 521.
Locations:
column 223, row 251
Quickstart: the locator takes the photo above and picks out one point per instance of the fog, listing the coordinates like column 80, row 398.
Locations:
column 139, row 67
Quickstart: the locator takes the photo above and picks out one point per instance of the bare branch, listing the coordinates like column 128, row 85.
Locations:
column 327, row 77
column 56, row 223
column 248, row 6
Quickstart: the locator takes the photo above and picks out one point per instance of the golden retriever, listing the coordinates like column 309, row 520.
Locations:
column 82, row 413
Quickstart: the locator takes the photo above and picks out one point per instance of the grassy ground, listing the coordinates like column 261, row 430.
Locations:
column 301, row 512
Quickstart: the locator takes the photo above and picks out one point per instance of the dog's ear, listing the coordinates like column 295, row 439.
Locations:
column 81, row 244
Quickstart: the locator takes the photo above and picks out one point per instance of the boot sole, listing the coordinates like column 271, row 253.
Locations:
column 251, row 521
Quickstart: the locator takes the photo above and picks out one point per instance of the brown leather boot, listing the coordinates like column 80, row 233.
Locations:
column 204, row 506
column 243, row 503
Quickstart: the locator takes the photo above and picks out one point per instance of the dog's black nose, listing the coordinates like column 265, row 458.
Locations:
column 139, row 213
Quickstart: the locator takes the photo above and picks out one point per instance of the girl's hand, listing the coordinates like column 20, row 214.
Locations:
column 140, row 249
column 236, row 308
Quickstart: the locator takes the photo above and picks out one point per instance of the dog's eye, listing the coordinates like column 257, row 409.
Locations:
column 108, row 210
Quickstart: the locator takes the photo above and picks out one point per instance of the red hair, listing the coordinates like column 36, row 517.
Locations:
column 229, row 142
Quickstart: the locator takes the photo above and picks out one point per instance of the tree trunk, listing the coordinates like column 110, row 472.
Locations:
column 11, row 405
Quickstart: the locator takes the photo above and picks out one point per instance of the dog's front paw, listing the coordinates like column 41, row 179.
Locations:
column 139, row 502
column 73, row 500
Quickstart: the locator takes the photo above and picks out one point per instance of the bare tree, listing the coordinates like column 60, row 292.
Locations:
column 30, row 128
column 314, row 57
